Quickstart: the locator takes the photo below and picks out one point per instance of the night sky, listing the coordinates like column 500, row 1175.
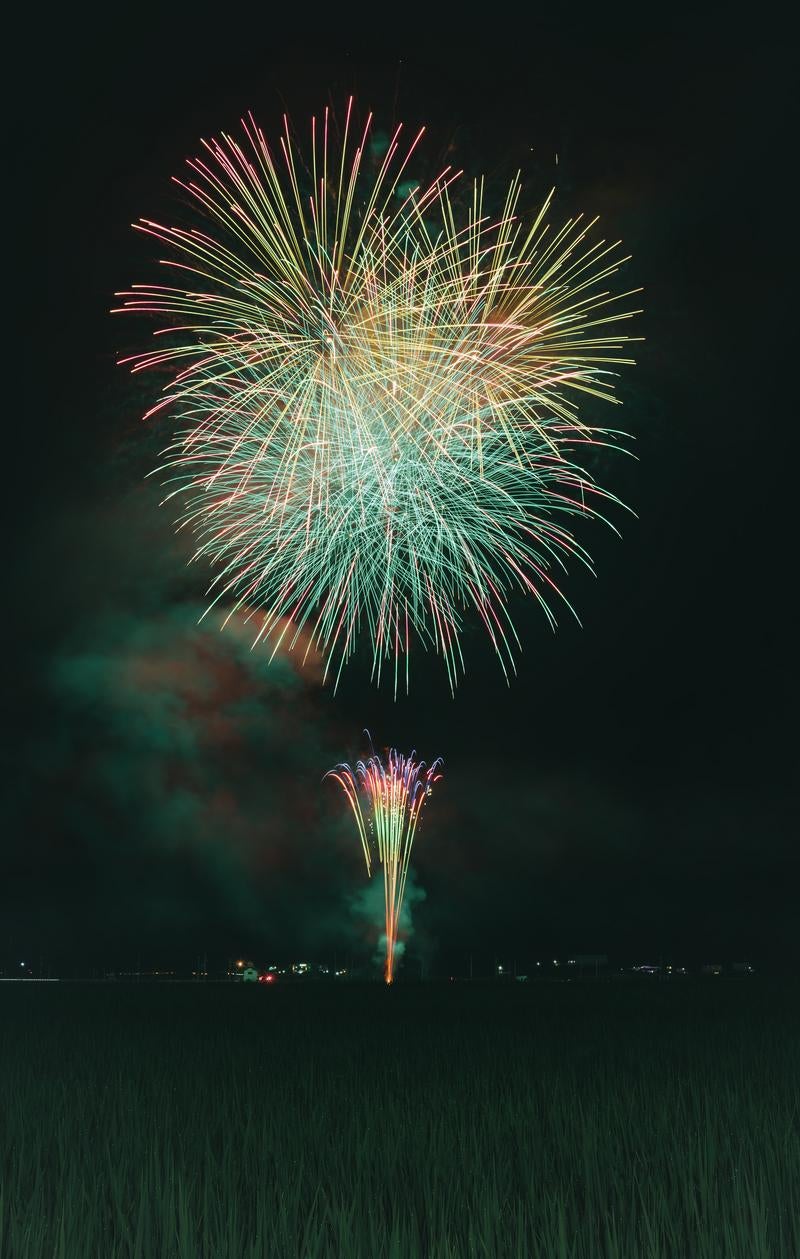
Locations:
column 631, row 792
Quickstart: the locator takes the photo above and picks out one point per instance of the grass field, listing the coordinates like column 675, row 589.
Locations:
column 595, row 1121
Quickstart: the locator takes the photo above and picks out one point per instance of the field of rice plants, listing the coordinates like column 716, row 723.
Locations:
column 629, row 1120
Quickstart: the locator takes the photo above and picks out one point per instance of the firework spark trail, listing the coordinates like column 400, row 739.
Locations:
column 393, row 794
column 377, row 400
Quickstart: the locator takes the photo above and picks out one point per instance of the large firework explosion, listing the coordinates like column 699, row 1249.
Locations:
column 393, row 792
column 376, row 386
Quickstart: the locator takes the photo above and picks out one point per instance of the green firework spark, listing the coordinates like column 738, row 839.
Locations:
column 377, row 395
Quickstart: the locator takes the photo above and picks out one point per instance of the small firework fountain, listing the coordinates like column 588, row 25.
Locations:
column 393, row 793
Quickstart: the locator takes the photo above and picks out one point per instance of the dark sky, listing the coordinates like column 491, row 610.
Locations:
column 631, row 792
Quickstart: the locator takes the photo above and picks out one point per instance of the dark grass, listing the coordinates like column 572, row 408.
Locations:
column 595, row 1121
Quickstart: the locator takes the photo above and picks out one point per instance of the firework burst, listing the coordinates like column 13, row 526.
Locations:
column 376, row 388
column 393, row 794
